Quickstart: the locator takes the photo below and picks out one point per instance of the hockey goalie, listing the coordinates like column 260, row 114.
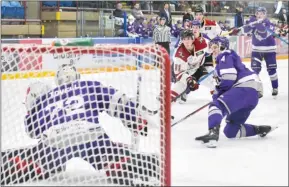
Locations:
column 189, row 64
column 65, row 122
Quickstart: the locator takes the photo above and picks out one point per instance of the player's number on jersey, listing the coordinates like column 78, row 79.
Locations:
column 72, row 105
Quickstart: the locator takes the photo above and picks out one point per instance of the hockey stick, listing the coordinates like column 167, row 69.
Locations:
column 277, row 36
column 190, row 114
column 278, row 8
column 154, row 112
column 240, row 28
column 134, row 136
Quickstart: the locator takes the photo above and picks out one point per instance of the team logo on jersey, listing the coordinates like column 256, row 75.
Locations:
column 181, row 54
column 199, row 53
column 208, row 28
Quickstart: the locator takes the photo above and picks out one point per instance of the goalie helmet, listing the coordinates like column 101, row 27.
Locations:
column 35, row 90
column 221, row 41
column 66, row 74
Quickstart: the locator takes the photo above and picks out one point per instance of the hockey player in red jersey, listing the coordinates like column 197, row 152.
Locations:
column 188, row 66
column 202, row 52
column 209, row 27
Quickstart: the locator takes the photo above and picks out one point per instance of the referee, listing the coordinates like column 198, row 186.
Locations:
column 162, row 34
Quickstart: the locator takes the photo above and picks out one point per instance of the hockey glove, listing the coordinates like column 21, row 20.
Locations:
column 192, row 83
column 234, row 31
column 139, row 126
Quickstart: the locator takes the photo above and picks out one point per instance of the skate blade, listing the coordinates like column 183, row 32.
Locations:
column 272, row 129
column 211, row 144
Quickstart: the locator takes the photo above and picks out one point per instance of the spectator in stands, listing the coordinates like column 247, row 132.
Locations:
column 188, row 15
column 177, row 28
column 222, row 26
column 151, row 25
column 239, row 18
column 283, row 17
column 141, row 29
column 227, row 25
column 162, row 34
column 166, row 13
column 131, row 26
column 137, row 13
column 182, row 5
column 119, row 15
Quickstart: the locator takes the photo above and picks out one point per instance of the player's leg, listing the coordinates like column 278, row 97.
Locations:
column 31, row 163
column 271, row 63
column 256, row 62
column 237, row 128
column 120, row 164
column 228, row 103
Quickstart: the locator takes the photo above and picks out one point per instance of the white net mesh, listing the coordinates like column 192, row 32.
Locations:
column 90, row 131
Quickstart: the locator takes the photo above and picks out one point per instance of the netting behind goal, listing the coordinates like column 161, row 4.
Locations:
column 76, row 140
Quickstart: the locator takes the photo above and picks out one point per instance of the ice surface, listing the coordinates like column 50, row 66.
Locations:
column 248, row 161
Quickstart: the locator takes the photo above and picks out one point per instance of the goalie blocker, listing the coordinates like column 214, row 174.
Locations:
column 73, row 131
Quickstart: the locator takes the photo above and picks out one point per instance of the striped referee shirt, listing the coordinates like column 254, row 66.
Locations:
column 162, row 34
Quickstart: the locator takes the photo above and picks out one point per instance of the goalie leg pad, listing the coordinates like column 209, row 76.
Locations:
column 129, row 167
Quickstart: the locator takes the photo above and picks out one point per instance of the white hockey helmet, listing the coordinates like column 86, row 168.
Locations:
column 33, row 91
column 66, row 73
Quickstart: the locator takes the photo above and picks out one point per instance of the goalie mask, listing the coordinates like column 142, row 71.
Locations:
column 34, row 91
column 66, row 74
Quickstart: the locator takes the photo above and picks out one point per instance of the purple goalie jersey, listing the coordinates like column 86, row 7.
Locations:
column 80, row 100
column 231, row 72
column 262, row 40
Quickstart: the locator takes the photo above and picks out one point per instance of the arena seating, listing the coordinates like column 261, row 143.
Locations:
column 12, row 10
column 61, row 3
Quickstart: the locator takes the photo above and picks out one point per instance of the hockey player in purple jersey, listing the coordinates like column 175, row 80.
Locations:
column 236, row 95
column 65, row 120
column 263, row 46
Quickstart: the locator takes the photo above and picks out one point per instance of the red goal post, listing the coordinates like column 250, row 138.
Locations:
column 157, row 58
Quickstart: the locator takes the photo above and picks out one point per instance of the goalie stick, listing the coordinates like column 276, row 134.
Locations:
column 154, row 112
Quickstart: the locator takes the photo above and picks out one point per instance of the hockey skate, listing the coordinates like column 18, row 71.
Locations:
column 210, row 139
column 183, row 99
column 263, row 130
column 275, row 92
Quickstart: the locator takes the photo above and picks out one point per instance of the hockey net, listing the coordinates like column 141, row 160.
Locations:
column 142, row 72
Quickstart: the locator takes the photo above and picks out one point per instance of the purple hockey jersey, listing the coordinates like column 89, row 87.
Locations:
column 231, row 72
column 262, row 40
column 141, row 30
column 80, row 100
column 131, row 27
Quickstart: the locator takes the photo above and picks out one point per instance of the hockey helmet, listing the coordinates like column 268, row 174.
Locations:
column 221, row 41
column 196, row 23
column 261, row 9
column 187, row 33
column 66, row 74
